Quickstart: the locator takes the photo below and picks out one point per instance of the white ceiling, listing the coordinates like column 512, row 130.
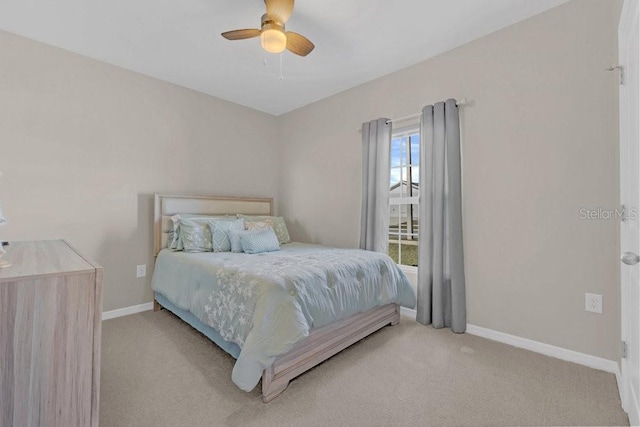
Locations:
column 179, row 40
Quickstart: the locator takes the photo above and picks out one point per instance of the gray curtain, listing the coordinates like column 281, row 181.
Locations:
column 441, row 283
column 376, row 147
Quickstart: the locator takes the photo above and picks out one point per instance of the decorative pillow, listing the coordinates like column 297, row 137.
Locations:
column 234, row 238
column 259, row 241
column 258, row 225
column 220, row 229
column 195, row 235
column 174, row 241
column 279, row 226
column 174, row 238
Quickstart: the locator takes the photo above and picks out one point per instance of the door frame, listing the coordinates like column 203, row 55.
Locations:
column 630, row 402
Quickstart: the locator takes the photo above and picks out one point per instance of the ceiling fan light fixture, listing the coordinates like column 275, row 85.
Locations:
column 273, row 41
column 273, row 37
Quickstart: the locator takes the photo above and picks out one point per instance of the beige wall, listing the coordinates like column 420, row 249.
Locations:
column 83, row 146
column 539, row 142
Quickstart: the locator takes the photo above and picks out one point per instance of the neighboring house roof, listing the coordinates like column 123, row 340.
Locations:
column 415, row 185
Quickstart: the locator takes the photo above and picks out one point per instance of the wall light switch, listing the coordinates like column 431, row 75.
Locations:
column 141, row 271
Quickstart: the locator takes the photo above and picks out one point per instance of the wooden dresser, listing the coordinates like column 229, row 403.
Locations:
column 50, row 328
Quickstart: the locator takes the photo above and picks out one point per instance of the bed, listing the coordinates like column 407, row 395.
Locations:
column 279, row 313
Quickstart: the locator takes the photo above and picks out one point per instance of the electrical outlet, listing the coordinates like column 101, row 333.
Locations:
column 593, row 303
column 141, row 271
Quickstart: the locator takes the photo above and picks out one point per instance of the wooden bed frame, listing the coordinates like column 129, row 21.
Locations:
column 322, row 343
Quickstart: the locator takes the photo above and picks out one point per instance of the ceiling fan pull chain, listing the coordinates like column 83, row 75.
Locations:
column 281, row 73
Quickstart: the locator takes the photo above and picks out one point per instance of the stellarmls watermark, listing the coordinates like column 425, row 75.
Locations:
column 623, row 213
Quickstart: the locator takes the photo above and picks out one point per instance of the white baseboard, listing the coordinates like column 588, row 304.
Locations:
column 634, row 411
column 546, row 349
column 621, row 393
column 409, row 312
column 106, row 315
column 538, row 347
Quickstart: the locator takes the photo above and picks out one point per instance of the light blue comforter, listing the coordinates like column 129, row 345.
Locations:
column 268, row 302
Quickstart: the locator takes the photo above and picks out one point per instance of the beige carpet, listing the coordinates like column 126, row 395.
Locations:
column 158, row 371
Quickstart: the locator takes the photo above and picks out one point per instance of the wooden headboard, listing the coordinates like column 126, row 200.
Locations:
column 168, row 205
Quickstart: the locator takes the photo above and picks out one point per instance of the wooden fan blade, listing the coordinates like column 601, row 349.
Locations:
column 280, row 9
column 299, row 44
column 241, row 34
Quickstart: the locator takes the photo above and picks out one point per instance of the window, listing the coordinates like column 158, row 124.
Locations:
column 403, row 199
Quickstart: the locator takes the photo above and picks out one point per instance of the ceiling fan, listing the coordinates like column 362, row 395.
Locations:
column 272, row 35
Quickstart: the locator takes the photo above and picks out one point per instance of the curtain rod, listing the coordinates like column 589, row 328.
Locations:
column 459, row 103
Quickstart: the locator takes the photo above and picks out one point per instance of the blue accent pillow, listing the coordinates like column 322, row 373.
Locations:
column 234, row 237
column 259, row 241
column 220, row 233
